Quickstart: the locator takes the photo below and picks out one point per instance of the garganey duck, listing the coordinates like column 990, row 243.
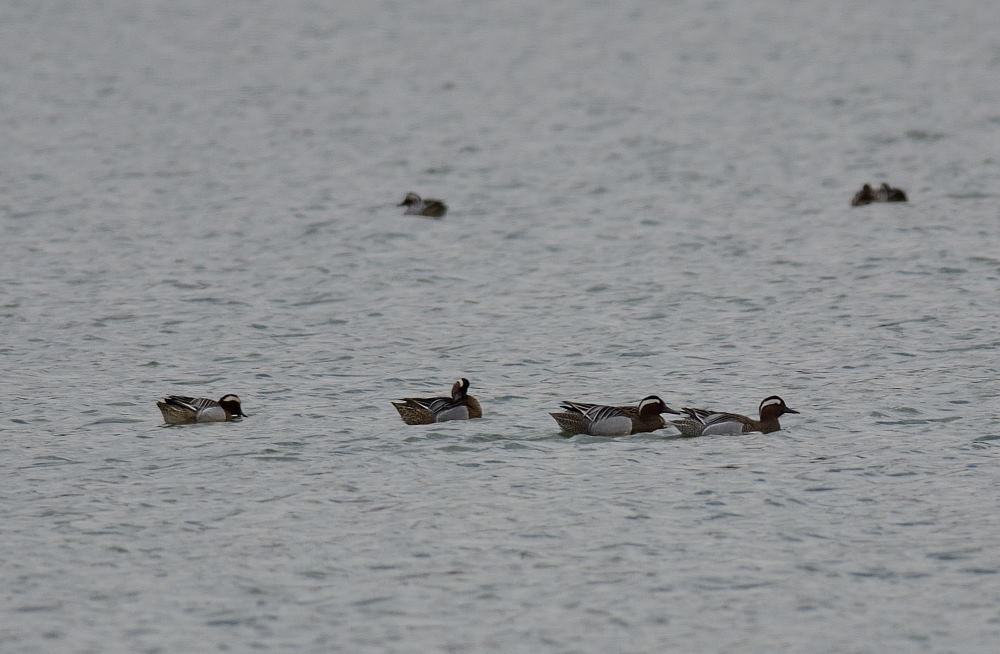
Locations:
column 428, row 410
column 179, row 410
column 417, row 206
column 702, row 422
column 601, row 420
column 886, row 193
column 865, row 196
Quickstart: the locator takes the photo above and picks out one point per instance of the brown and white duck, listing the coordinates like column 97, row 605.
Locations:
column 417, row 206
column 602, row 420
column 428, row 410
column 702, row 422
column 181, row 410
column 886, row 193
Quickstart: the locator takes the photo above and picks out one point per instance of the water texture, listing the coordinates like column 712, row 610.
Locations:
column 646, row 197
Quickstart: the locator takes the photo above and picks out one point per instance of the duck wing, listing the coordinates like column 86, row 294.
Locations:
column 193, row 403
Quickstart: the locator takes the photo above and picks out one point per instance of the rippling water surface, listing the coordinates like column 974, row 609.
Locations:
column 647, row 197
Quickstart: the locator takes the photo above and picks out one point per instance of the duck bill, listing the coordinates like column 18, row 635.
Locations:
column 787, row 410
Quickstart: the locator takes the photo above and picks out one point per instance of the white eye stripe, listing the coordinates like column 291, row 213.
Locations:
column 649, row 401
column 773, row 402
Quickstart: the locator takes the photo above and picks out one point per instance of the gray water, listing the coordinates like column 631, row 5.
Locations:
column 648, row 197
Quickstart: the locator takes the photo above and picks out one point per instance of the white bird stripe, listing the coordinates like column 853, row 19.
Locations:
column 193, row 402
column 598, row 413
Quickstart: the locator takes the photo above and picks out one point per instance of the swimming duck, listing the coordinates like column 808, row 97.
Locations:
column 428, row 410
column 416, row 206
column 601, row 420
column 886, row 193
column 865, row 196
column 180, row 410
column 702, row 422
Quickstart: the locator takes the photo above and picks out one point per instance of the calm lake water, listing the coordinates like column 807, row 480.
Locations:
column 646, row 197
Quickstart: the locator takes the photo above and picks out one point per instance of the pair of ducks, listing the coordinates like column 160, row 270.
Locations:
column 603, row 420
column 884, row 193
column 417, row 206
column 576, row 417
column 182, row 410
